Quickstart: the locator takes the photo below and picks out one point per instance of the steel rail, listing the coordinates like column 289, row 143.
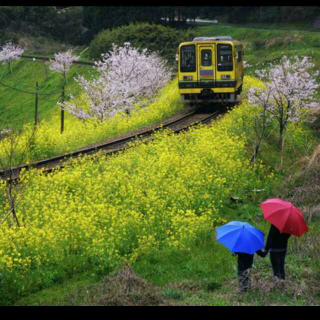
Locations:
column 117, row 144
column 145, row 135
column 97, row 147
column 88, row 63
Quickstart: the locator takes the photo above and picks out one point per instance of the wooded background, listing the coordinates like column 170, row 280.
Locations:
column 79, row 24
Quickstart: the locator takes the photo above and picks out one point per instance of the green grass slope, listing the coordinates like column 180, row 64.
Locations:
column 206, row 273
column 267, row 45
column 17, row 91
column 261, row 46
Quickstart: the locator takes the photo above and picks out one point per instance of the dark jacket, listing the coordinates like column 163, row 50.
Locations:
column 245, row 260
column 276, row 240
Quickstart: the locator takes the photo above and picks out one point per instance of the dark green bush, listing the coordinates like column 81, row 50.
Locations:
column 64, row 25
column 154, row 37
column 8, row 36
column 259, row 44
column 68, row 26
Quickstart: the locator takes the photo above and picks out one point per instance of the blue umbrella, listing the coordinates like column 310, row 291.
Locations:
column 240, row 237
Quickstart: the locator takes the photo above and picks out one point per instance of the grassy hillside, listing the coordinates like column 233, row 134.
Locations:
column 267, row 45
column 175, row 260
column 18, row 107
column 261, row 46
column 157, row 207
column 49, row 142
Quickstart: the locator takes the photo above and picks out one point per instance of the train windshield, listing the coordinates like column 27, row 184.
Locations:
column 206, row 58
column 225, row 57
column 188, row 59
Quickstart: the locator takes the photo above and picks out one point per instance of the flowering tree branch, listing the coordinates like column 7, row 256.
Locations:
column 10, row 52
column 62, row 63
column 127, row 76
column 289, row 90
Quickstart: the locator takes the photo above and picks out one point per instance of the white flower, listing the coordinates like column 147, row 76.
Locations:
column 126, row 77
column 10, row 52
column 62, row 62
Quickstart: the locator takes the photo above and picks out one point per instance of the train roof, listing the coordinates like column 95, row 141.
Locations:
column 211, row 39
column 223, row 38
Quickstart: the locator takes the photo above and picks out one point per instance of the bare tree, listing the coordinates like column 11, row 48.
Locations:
column 13, row 153
column 261, row 121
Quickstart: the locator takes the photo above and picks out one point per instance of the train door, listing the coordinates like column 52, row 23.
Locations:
column 206, row 73
column 239, row 65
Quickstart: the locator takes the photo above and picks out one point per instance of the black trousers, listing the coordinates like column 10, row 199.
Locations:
column 245, row 262
column 277, row 262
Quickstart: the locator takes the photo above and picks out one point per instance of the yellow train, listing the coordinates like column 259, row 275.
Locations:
column 210, row 69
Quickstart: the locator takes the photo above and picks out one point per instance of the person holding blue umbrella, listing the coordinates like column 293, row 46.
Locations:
column 243, row 240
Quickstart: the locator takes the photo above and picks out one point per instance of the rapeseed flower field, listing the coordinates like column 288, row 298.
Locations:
column 97, row 212
column 48, row 141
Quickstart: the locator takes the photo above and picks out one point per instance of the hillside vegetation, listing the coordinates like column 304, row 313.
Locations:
column 155, row 206
column 154, row 197
column 139, row 227
column 267, row 45
column 158, row 38
column 261, row 46
column 17, row 91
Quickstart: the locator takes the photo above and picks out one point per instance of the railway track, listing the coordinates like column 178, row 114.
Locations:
column 176, row 123
column 83, row 63
column 87, row 63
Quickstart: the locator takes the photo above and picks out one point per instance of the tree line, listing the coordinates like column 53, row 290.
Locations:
column 105, row 17
column 79, row 24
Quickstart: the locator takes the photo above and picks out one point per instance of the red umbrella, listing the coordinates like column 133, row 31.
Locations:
column 285, row 216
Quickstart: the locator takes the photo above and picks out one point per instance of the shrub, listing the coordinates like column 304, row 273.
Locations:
column 258, row 44
column 64, row 25
column 68, row 26
column 8, row 36
column 153, row 37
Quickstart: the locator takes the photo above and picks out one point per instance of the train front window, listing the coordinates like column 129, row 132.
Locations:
column 188, row 59
column 225, row 57
column 206, row 58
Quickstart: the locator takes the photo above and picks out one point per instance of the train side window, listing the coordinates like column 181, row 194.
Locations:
column 239, row 55
column 206, row 58
column 188, row 59
column 225, row 57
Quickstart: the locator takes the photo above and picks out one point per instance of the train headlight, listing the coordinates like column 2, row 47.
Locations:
column 188, row 78
column 225, row 77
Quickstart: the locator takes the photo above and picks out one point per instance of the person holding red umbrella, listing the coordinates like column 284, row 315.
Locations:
column 286, row 220
column 277, row 244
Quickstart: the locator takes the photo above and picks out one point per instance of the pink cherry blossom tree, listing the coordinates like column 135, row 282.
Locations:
column 289, row 92
column 127, row 78
column 246, row 64
column 62, row 62
column 10, row 52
